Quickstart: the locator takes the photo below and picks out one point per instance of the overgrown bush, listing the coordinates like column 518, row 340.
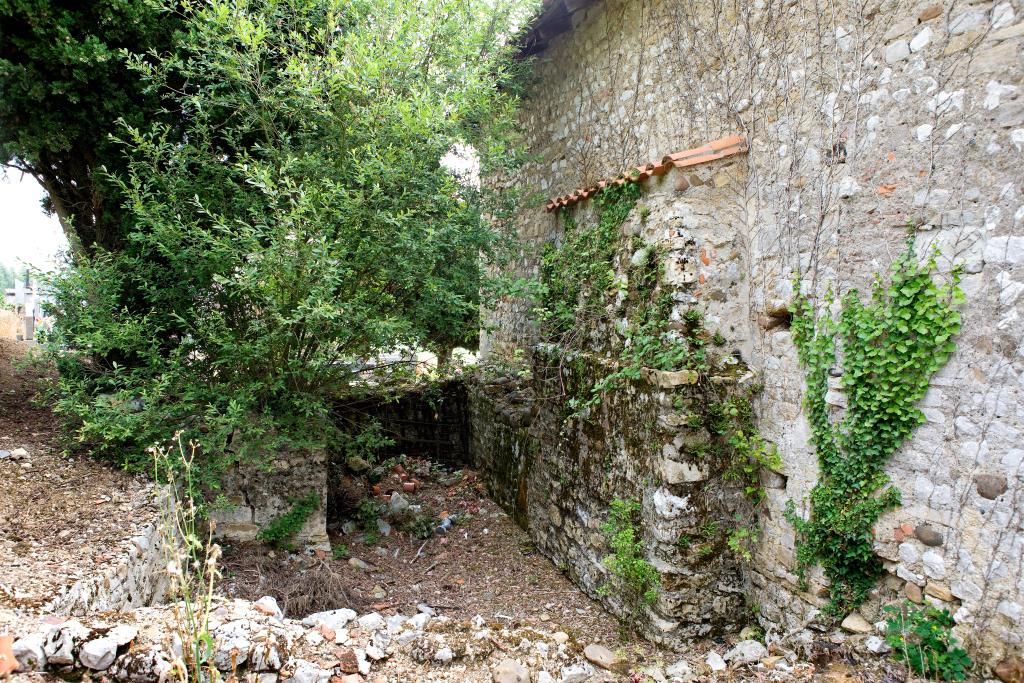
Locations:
column 302, row 225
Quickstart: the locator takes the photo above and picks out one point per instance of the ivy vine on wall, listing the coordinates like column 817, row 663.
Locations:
column 889, row 347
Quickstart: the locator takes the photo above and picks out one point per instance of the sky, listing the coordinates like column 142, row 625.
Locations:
column 27, row 235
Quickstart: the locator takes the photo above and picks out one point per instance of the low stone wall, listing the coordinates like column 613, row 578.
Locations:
column 135, row 579
column 558, row 478
column 258, row 493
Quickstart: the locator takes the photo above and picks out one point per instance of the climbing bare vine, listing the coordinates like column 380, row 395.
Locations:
column 889, row 347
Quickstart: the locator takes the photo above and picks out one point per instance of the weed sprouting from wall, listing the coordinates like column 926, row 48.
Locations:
column 890, row 348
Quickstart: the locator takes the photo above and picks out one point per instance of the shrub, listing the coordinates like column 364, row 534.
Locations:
column 301, row 224
column 921, row 637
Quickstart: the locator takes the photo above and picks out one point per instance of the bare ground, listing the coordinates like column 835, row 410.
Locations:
column 60, row 516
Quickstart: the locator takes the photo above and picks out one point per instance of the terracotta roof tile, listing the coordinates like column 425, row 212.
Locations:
column 718, row 149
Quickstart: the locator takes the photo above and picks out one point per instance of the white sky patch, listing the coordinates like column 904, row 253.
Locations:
column 27, row 235
column 464, row 162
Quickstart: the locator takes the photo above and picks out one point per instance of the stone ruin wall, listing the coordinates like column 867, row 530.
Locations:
column 860, row 121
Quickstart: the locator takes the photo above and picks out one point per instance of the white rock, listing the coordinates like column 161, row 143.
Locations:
column 375, row 653
column 544, row 677
column 577, row 673
column 1002, row 15
column 510, row 671
column 715, row 662
column 908, row 553
column 270, row 603
column 122, row 634
column 1005, row 250
column 668, row 505
column 897, row 51
column 60, row 642
column 444, row 655
column 29, row 652
column 335, row 619
column 419, row 621
column 921, row 39
column 98, row 654
column 855, row 623
column 680, row 671
column 934, row 565
column 848, row 187
column 395, row 622
column 966, row 21
column 371, row 622
column 746, row 651
column 924, row 131
column 877, row 645
column 307, row 672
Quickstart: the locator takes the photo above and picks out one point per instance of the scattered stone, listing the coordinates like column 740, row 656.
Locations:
column 306, row 672
column 913, row 592
column 349, row 678
column 715, row 662
column 1010, row 670
column 29, row 653
column 560, row 637
column 347, row 660
column 444, row 655
column 855, row 623
column 771, row 662
column 922, row 39
column 745, row 652
column 122, row 634
column 419, row 621
column 928, row 535
column 335, row 619
column 268, row 605
column 990, row 486
column 356, row 563
column 877, row 645
column 4, row 455
column 398, row 506
column 577, row 673
column 511, row 671
column 601, row 656
column 98, row 654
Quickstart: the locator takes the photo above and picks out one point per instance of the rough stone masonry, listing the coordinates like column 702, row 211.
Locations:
column 868, row 124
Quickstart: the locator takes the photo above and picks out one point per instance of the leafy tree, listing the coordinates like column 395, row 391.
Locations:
column 64, row 83
column 302, row 226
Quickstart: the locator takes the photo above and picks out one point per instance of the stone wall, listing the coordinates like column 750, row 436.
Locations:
column 253, row 494
column 868, row 124
column 136, row 578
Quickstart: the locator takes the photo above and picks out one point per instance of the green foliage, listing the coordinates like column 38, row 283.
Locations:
column 741, row 539
column 301, row 227
column 890, row 348
column 922, row 637
column 422, row 526
column 363, row 441
column 281, row 530
column 65, row 84
column 339, row 551
column 368, row 514
column 576, row 274
column 631, row 572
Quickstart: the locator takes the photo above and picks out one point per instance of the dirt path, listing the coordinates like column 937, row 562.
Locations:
column 60, row 517
column 485, row 565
